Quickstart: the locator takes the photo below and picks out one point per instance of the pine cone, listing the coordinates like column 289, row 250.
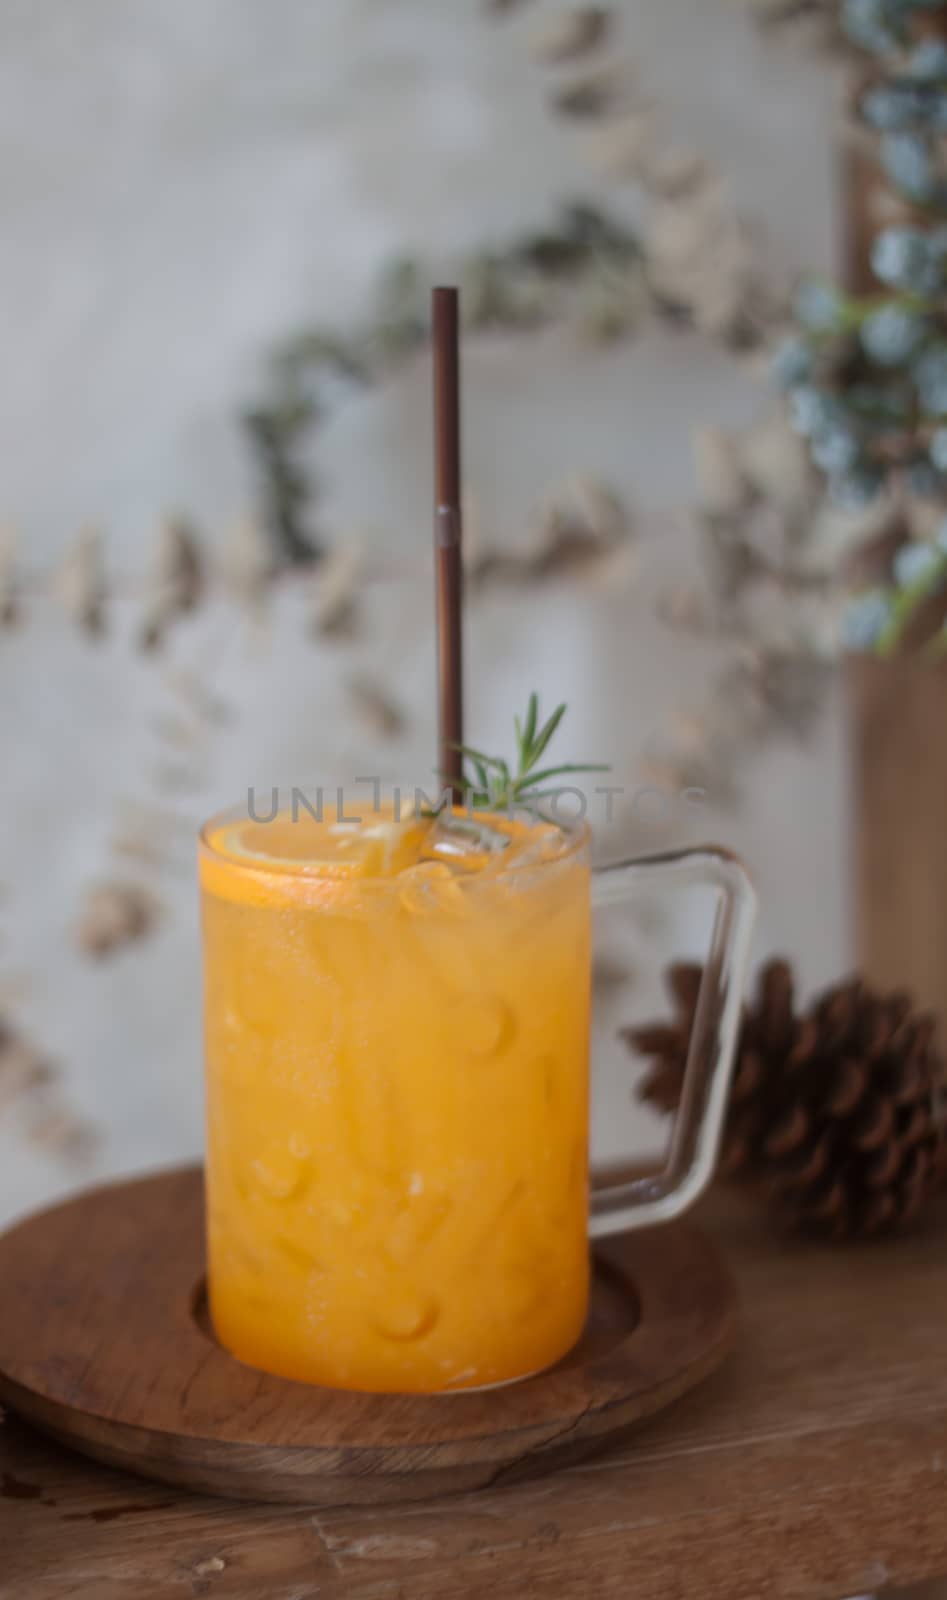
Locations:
column 837, row 1115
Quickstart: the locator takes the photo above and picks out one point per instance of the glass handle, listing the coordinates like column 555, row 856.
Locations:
column 695, row 1139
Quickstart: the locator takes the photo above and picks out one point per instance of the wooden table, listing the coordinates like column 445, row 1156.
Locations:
column 814, row 1463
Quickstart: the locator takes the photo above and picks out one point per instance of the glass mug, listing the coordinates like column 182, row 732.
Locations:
column 397, row 1054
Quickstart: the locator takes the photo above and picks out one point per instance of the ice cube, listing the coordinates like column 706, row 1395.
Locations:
column 403, row 1314
column 466, row 843
column 385, row 848
column 415, row 1227
column 544, row 843
column 464, row 1377
column 431, row 886
column 278, row 1172
column 298, row 1255
column 485, row 1025
column 547, row 1071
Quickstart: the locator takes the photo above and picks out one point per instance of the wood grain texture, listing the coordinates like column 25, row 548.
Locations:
column 110, row 1349
column 812, row 1465
column 899, row 732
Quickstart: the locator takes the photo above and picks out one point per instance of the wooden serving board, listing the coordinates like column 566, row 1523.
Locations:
column 105, row 1344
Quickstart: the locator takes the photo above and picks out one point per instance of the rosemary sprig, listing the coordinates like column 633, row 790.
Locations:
column 496, row 785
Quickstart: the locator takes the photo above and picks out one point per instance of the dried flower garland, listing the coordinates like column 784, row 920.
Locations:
column 695, row 261
column 30, row 1087
column 814, row 24
column 588, row 269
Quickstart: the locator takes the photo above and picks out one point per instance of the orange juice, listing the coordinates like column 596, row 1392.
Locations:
column 397, row 1021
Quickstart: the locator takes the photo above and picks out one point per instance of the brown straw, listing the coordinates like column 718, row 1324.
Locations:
column 447, row 537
